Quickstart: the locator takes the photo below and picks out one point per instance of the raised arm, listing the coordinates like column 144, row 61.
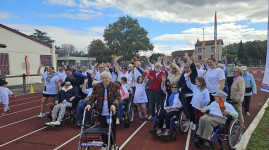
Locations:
column 116, row 63
column 204, row 56
column 38, row 70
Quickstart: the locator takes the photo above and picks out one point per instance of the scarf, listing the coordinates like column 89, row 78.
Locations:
column 171, row 98
column 49, row 77
column 122, row 91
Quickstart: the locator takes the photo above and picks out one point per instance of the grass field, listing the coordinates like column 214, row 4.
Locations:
column 260, row 138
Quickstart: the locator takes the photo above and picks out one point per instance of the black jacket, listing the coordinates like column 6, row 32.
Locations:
column 66, row 95
column 182, row 81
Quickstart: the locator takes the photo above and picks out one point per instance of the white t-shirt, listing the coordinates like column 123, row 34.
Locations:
column 4, row 95
column 136, row 74
column 51, row 86
column 105, row 109
column 61, row 75
column 215, row 109
column 200, row 72
column 120, row 75
column 212, row 79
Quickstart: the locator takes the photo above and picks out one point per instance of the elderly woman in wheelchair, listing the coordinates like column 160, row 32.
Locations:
column 62, row 100
column 217, row 114
column 175, row 106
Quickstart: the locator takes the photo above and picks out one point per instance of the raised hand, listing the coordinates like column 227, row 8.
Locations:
column 66, row 63
column 63, row 63
column 186, row 55
column 41, row 66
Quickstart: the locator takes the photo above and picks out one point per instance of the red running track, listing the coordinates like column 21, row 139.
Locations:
column 21, row 129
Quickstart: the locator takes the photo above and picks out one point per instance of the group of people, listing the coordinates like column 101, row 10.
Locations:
column 197, row 87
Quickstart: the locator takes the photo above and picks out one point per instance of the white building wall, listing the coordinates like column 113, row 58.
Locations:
column 17, row 47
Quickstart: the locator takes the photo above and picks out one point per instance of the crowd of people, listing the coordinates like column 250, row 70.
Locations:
column 166, row 86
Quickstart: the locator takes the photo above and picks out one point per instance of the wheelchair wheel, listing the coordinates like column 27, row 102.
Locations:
column 234, row 134
column 184, row 123
column 130, row 113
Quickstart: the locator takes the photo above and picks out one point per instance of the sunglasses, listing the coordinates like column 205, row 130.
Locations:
column 173, row 87
column 123, row 68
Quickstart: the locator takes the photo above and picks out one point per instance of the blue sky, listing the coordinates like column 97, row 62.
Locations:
column 171, row 24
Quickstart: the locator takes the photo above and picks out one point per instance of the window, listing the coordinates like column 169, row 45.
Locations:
column 199, row 50
column 199, row 57
column 4, row 65
column 212, row 49
column 45, row 60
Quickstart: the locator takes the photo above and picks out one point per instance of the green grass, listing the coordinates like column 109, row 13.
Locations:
column 260, row 138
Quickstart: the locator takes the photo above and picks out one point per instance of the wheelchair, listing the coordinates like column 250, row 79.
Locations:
column 179, row 122
column 231, row 132
column 93, row 137
column 128, row 111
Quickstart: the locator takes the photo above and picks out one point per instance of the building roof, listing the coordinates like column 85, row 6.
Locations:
column 210, row 42
column 24, row 35
column 3, row 45
column 181, row 53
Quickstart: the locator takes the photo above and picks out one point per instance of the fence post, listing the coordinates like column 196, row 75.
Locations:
column 24, row 83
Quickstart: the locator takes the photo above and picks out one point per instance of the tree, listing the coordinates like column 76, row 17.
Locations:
column 42, row 36
column 125, row 37
column 98, row 49
column 67, row 50
column 154, row 56
column 240, row 53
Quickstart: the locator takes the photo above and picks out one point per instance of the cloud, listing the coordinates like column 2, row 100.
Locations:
column 5, row 15
column 187, row 11
column 97, row 29
column 69, row 3
column 80, row 16
column 80, row 39
column 229, row 32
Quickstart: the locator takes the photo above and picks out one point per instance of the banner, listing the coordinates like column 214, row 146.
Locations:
column 27, row 66
column 215, row 35
column 265, row 81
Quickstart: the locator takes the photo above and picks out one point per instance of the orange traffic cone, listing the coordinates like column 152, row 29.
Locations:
column 32, row 89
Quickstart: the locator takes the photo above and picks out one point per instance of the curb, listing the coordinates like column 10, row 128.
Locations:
column 246, row 136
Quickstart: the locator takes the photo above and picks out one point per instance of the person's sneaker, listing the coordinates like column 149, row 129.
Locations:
column 79, row 122
column 8, row 110
column 247, row 113
column 87, row 124
column 159, row 132
column 207, row 144
column 197, row 142
column 103, row 148
column 41, row 115
column 48, row 123
column 114, row 147
column 118, row 121
column 140, row 120
column 56, row 123
column 166, row 132
column 193, row 127
column 147, row 119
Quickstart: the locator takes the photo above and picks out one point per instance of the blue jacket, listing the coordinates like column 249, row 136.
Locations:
column 182, row 82
column 250, row 82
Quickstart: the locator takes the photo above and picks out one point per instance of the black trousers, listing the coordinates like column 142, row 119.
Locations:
column 247, row 103
column 154, row 99
column 190, row 108
column 104, row 124
column 212, row 99
column 164, row 115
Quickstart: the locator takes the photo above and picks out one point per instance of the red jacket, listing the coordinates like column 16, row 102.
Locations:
column 155, row 84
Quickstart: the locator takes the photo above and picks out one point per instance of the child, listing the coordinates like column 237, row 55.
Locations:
column 123, row 82
column 140, row 97
column 124, row 100
column 200, row 97
column 4, row 93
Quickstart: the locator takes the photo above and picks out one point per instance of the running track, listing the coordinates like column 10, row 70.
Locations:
column 21, row 129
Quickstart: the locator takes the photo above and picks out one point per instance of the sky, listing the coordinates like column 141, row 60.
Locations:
column 171, row 24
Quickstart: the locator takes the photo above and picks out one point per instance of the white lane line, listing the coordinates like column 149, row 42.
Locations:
column 24, row 103
column 19, row 121
column 188, row 137
column 22, row 136
column 70, row 140
column 21, row 111
column 132, row 135
column 25, row 98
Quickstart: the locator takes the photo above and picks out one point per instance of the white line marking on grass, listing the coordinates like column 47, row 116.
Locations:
column 132, row 135
column 21, row 111
column 188, row 137
column 23, row 103
column 70, row 140
column 22, row 136
column 18, row 121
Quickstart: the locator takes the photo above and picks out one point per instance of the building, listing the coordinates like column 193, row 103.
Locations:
column 3, row 45
column 181, row 53
column 76, row 61
column 210, row 49
column 19, row 45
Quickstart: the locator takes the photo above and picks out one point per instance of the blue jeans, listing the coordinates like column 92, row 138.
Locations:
column 81, row 108
column 120, row 110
